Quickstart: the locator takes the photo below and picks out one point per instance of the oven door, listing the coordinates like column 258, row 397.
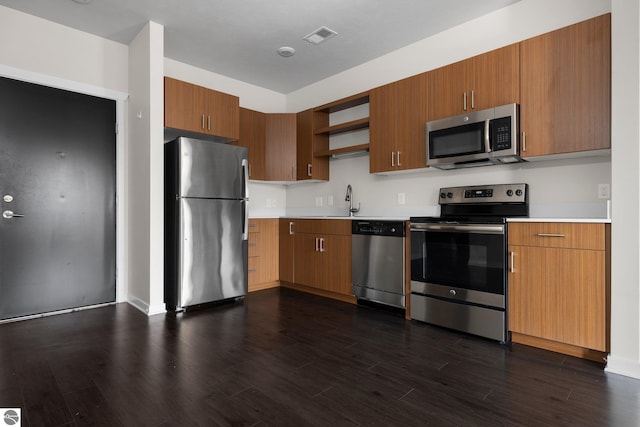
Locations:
column 460, row 262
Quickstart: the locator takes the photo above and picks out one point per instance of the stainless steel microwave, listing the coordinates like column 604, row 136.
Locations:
column 481, row 138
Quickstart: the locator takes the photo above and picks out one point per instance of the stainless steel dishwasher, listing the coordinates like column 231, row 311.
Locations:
column 377, row 261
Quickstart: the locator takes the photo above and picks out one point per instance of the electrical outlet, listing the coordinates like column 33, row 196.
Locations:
column 604, row 191
column 274, row 203
column 401, row 199
column 319, row 201
column 329, row 200
column 269, row 203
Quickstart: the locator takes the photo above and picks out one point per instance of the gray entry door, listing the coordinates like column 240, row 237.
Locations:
column 57, row 198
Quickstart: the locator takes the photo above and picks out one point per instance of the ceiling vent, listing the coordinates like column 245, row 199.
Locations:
column 320, row 35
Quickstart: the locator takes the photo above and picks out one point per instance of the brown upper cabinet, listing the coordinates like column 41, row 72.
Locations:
column 252, row 136
column 271, row 140
column 280, row 147
column 484, row 81
column 397, row 117
column 310, row 166
column 198, row 109
column 566, row 89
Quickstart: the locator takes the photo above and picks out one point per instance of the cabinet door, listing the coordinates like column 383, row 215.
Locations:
column 528, row 311
column 411, row 119
column 223, row 115
column 307, row 143
column 559, row 295
column 286, row 243
column 336, row 264
column 566, row 89
column 496, row 78
column 446, row 87
column 252, row 136
column 197, row 116
column 177, row 100
column 280, row 147
column 306, row 260
column 382, row 128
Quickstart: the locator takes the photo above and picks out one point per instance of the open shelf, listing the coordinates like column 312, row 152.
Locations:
column 344, row 150
column 344, row 127
column 345, row 103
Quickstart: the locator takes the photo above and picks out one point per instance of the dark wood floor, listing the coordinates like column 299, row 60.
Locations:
column 284, row 358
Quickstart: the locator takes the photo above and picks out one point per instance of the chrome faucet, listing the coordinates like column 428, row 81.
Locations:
column 349, row 198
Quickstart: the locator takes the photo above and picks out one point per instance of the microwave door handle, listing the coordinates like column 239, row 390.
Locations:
column 487, row 140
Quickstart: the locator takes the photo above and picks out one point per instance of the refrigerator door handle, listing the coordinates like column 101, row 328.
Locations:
column 245, row 199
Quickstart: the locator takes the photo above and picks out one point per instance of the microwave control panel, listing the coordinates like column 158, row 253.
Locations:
column 500, row 133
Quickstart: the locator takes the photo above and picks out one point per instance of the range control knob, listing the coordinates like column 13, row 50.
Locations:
column 450, row 195
column 452, row 292
column 518, row 192
column 509, row 192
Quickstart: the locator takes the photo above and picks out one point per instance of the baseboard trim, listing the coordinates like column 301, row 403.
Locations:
column 149, row 310
column 320, row 292
column 263, row 286
column 558, row 347
column 623, row 366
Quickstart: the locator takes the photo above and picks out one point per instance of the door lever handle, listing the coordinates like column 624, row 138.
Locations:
column 9, row 214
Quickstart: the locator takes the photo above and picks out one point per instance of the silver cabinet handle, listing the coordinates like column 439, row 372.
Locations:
column 398, row 158
column 393, row 159
column 473, row 100
column 290, row 227
column 464, row 101
column 9, row 214
column 203, row 121
column 309, row 166
column 524, row 141
column 208, row 122
column 512, row 267
column 317, row 245
column 321, row 244
column 551, row 235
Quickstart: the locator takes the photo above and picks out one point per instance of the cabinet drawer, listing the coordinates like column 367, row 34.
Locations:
column 322, row 226
column 255, row 244
column 558, row 235
column 254, row 226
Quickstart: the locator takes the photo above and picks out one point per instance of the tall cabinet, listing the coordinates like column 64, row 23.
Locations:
column 566, row 89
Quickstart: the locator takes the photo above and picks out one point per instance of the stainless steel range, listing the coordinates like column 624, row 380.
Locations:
column 459, row 260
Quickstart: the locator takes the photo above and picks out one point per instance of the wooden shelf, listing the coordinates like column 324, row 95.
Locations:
column 344, row 127
column 344, row 150
column 345, row 103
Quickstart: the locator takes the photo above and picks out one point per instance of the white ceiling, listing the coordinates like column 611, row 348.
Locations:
column 239, row 38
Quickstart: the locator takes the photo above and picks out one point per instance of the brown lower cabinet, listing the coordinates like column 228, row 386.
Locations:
column 315, row 256
column 263, row 254
column 559, row 287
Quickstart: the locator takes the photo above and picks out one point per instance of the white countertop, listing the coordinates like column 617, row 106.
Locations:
column 582, row 220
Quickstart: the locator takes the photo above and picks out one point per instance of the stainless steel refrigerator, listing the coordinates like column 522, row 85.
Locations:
column 206, row 222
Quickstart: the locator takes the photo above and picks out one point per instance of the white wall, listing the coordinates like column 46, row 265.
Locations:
column 625, row 275
column 145, row 163
column 34, row 45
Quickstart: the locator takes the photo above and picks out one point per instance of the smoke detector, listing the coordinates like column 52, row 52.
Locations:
column 320, row 35
column 286, row 51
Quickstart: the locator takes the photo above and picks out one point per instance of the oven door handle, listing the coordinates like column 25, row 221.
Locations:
column 459, row 228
